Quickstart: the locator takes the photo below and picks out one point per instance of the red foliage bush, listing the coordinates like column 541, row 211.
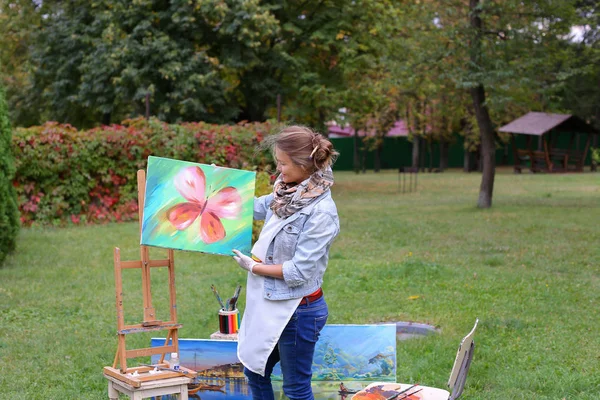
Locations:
column 70, row 176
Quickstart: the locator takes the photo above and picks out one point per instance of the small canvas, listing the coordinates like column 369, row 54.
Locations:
column 197, row 207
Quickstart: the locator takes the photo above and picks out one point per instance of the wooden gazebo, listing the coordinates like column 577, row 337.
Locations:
column 558, row 147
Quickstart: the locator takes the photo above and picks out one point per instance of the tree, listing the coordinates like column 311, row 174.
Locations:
column 538, row 29
column 427, row 97
column 506, row 55
column 482, row 114
column 19, row 21
column 97, row 62
column 581, row 91
column 9, row 212
column 315, row 38
column 370, row 91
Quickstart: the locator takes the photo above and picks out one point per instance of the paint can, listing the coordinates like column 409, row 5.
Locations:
column 229, row 321
column 174, row 363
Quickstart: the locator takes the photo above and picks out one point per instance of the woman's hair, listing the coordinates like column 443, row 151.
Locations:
column 306, row 148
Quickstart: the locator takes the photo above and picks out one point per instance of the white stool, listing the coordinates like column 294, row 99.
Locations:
column 153, row 388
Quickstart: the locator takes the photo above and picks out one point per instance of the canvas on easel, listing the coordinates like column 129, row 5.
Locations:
column 136, row 377
column 197, row 207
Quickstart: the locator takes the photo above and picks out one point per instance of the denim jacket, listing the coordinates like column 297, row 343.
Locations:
column 302, row 246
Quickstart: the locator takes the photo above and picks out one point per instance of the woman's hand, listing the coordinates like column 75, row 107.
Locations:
column 244, row 261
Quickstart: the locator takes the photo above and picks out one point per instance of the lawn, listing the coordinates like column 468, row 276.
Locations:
column 528, row 268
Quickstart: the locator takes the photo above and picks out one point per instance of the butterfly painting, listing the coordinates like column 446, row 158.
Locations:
column 197, row 207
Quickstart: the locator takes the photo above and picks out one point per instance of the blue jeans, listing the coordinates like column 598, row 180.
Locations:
column 294, row 351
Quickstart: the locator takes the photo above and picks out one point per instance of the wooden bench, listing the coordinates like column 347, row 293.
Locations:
column 566, row 160
column 555, row 160
column 535, row 160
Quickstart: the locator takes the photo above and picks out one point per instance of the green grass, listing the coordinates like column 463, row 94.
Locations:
column 527, row 268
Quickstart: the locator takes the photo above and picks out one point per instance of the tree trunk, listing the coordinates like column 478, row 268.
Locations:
column 321, row 123
column 443, row 154
column 147, row 113
column 466, row 161
column 356, row 162
column 416, row 147
column 423, row 154
column 363, row 161
column 430, row 148
column 377, row 166
column 488, row 147
column 415, row 151
column 594, row 166
column 486, row 130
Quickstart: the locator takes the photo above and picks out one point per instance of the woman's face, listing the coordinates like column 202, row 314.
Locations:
column 289, row 171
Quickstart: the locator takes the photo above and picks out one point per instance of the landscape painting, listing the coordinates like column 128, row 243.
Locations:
column 343, row 352
column 197, row 207
column 355, row 355
column 354, row 352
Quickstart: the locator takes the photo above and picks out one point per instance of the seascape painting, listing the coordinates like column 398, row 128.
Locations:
column 197, row 207
column 343, row 352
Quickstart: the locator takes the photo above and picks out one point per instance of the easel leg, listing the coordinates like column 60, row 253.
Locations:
column 122, row 354
column 183, row 395
column 112, row 393
column 115, row 362
column 167, row 340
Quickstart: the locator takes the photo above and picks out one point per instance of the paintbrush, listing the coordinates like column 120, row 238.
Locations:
column 392, row 397
column 234, row 299
column 407, row 395
column 214, row 289
column 237, row 291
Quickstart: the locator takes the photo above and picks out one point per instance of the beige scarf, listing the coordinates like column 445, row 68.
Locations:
column 289, row 198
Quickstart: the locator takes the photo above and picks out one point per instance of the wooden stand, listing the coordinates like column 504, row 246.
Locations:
column 148, row 389
column 139, row 379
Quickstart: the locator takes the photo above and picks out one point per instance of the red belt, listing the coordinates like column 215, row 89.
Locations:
column 312, row 297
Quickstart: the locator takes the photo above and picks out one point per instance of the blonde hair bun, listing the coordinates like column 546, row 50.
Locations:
column 307, row 148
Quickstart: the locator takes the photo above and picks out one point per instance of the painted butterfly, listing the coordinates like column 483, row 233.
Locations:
column 225, row 203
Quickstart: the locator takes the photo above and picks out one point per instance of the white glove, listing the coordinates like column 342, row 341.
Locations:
column 245, row 262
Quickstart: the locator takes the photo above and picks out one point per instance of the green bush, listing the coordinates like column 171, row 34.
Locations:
column 65, row 175
column 9, row 214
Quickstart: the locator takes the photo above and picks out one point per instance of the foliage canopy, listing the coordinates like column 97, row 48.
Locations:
column 9, row 213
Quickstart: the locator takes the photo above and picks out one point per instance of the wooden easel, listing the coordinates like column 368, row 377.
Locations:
column 137, row 375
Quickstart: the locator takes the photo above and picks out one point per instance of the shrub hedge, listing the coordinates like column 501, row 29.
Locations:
column 70, row 176
column 9, row 216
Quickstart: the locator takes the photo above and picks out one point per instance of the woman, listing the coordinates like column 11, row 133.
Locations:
column 285, row 307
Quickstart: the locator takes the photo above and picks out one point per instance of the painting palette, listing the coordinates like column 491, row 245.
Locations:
column 197, row 207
